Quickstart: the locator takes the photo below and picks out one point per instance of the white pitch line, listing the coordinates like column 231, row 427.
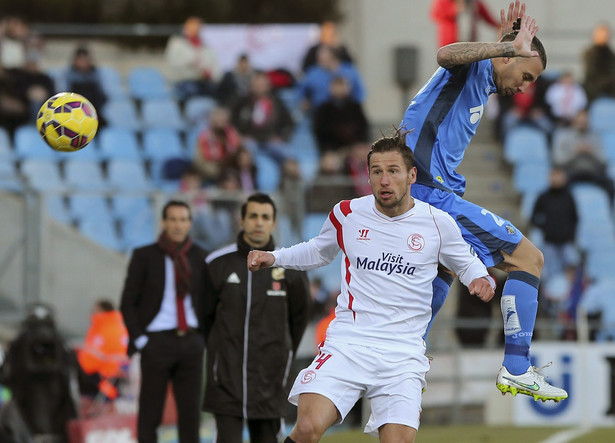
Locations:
column 567, row 435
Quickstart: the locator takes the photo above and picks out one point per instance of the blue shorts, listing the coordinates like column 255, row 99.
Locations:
column 486, row 232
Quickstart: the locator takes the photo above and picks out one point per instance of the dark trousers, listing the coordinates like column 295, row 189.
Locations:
column 166, row 358
column 230, row 429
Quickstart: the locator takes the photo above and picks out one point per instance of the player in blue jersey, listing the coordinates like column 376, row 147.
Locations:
column 444, row 116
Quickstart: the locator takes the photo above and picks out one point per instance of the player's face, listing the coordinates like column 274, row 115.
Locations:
column 258, row 224
column 516, row 74
column 391, row 180
column 177, row 223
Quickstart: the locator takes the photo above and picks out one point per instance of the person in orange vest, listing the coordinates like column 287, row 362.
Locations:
column 103, row 355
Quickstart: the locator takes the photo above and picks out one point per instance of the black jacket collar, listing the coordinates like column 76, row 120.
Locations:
column 243, row 247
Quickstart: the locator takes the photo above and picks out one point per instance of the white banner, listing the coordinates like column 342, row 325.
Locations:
column 268, row 46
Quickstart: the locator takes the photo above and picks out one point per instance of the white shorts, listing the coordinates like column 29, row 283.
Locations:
column 391, row 380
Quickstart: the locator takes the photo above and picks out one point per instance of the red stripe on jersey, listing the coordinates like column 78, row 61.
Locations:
column 350, row 300
column 345, row 207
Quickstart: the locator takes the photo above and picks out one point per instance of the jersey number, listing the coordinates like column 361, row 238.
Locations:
column 498, row 221
column 476, row 113
column 322, row 358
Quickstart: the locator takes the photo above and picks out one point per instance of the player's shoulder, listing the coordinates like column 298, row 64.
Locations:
column 356, row 205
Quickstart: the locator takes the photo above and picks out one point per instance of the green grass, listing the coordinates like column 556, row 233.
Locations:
column 478, row 434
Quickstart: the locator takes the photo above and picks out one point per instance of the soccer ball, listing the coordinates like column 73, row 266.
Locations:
column 67, row 121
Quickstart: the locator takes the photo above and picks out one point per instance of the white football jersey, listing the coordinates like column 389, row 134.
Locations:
column 388, row 266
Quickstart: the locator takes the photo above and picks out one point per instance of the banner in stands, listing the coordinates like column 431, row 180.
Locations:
column 268, row 46
column 586, row 371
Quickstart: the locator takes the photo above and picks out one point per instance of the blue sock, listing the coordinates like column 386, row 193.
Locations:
column 441, row 285
column 519, row 306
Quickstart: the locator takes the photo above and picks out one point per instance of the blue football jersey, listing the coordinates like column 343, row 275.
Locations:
column 443, row 118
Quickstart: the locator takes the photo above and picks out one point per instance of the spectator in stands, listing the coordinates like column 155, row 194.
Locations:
column 194, row 66
column 566, row 139
column 445, row 14
column 103, row 354
column 14, row 106
column 215, row 144
column 33, row 84
column 292, row 195
column 555, row 214
column 83, row 78
column 528, row 108
column 356, row 168
column 588, row 166
column 328, row 37
column 314, row 87
column 16, row 41
column 236, row 82
column 599, row 64
column 340, row 121
column 263, row 119
column 240, row 169
column 566, row 98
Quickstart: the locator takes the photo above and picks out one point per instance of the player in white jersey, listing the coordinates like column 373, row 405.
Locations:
column 391, row 245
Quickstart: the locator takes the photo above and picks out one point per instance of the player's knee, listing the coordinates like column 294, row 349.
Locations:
column 537, row 259
column 307, row 429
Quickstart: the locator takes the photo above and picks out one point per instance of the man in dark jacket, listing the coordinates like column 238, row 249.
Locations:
column 253, row 325
column 161, row 303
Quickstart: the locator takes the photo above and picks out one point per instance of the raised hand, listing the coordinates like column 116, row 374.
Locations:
column 522, row 43
column 515, row 10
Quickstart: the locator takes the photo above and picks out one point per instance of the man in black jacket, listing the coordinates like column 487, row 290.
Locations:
column 253, row 325
column 161, row 303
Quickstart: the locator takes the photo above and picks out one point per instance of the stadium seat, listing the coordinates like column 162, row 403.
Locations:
column 118, row 143
column 58, row 75
column 599, row 298
column 29, row 144
column 128, row 206
column 121, row 113
column 42, row 175
column 112, row 84
column 137, row 231
column 101, row 232
column 596, row 228
column 5, row 141
column 197, row 109
column 147, row 83
column 128, row 175
column 531, row 177
column 267, row 173
column 56, row 208
column 84, row 206
column 526, row 144
column 162, row 144
column 84, row 175
column 91, row 152
column 10, row 179
column 608, row 145
column 162, row 113
column 599, row 264
column 528, row 200
column 601, row 112
column 312, row 224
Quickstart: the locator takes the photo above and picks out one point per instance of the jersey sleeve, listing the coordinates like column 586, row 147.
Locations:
column 455, row 253
column 315, row 253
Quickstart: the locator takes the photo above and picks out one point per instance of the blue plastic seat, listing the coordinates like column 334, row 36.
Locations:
column 267, row 173
column 197, row 109
column 85, row 206
column 162, row 144
column 121, row 113
column 101, row 232
column 162, row 113
column 111, row 82
column 596, row 228
column 43, row 175
column 56, row 208
column 526, row 144
column 601, row 112
column 58, row 75
column 84, row 175
column 129, row 206
column 128, row 175
column 5, row 141
column 119, row 143
column 138, row 231
column 9, row 175
column 608, row 144
column 147, row 83
column 531, row 177
column 29, row 144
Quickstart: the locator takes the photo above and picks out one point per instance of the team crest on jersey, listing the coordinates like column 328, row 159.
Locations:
column 363, row 234
column 277, row 273
column 308, row 376
column 510, row 229
column 416, row 242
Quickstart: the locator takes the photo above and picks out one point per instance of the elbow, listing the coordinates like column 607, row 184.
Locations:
column 443, row 56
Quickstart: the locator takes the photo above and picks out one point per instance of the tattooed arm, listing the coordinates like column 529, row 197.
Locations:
column 457, row 54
